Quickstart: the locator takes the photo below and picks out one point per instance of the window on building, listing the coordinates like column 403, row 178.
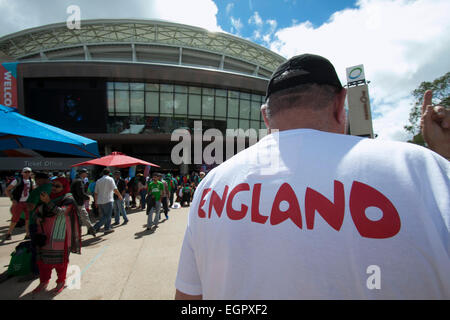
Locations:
column 137, row 102
column 244, row 109
column 180, row 104
column 221, row 108
column 152, row 103
column 166, row 103
column 122, row 102
column 195, row 106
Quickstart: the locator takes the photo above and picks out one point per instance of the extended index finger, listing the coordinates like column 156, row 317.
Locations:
column 427, row 97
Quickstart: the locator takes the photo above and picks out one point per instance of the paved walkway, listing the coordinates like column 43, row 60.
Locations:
column 130, row 263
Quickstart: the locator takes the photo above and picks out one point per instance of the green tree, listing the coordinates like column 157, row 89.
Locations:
column 441, row 96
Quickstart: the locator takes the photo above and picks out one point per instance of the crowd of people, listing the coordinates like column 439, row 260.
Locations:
column 54, row 208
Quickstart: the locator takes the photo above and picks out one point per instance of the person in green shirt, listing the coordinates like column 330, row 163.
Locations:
column 154, row 190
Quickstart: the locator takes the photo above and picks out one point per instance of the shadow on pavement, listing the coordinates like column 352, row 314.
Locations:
column 134, row 210
column 15, row 289
column 139, row 235
column 91, row 241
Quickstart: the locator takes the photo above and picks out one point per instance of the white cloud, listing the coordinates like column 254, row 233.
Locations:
column 237, row 25
column 256, row 19
column 229, row 7
column 272, row 24
column 257, row 35
column 264, row 30
column 401, row 43
column 18, row 15
column 200, row 13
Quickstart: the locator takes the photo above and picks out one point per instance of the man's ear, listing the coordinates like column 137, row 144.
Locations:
column 264, row 114
column 339, row 108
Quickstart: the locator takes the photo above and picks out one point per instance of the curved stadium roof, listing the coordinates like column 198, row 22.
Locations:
column 141, row 41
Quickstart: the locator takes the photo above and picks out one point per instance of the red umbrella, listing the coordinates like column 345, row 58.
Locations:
column 116, row 159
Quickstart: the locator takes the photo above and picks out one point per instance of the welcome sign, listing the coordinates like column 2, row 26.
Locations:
column 8, row 84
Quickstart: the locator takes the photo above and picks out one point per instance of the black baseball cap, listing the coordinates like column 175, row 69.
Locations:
column 303, row 69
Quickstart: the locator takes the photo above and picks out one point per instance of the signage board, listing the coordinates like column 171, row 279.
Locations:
column 8, row 84
column 355, row 74
column 359, row 114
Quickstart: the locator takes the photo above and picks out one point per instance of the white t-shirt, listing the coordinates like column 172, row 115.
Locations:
column 26, row 189
column 328, row 217
column 104, row 187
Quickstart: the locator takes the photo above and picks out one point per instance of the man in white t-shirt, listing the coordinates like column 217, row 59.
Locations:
column 19, row 190
column 311, row 213
column 105, row 187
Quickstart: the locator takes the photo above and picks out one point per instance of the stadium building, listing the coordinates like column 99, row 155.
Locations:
column 129, row 83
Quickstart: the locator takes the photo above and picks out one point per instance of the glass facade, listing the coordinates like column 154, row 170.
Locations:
column 162, row 108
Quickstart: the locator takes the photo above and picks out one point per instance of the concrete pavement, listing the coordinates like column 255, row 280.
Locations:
column 130, row 263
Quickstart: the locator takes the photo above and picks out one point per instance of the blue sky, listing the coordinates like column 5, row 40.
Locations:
column 285, row 12
column 400, row 42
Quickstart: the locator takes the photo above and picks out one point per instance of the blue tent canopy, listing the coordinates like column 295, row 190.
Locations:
column 20, row 132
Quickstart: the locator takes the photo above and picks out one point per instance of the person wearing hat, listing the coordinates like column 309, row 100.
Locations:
column 309, row 212
column 18, row 191
column 201, row 176
column 78, row 188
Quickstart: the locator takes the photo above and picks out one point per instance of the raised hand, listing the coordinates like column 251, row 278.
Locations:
column 435, row 126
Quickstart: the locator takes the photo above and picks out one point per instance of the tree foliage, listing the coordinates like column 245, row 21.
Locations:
column 441, row 96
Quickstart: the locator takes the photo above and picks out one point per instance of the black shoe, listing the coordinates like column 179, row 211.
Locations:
column 125, row 222
column 109, row 231
column 116, row 223
column 92, row 232
column 27, row 238
column 7, row 237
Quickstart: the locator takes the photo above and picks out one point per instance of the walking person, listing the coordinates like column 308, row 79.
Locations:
column 186, row 198
column 165, row 196
column 309, row 212
column 154, row 191
column 58, row 221
column 127, row 197
column 133, row 189
column 172, row 185
column 119, row 205
column 142, row 187
column 19, row 190
column 78, row 189
column 105, row 187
